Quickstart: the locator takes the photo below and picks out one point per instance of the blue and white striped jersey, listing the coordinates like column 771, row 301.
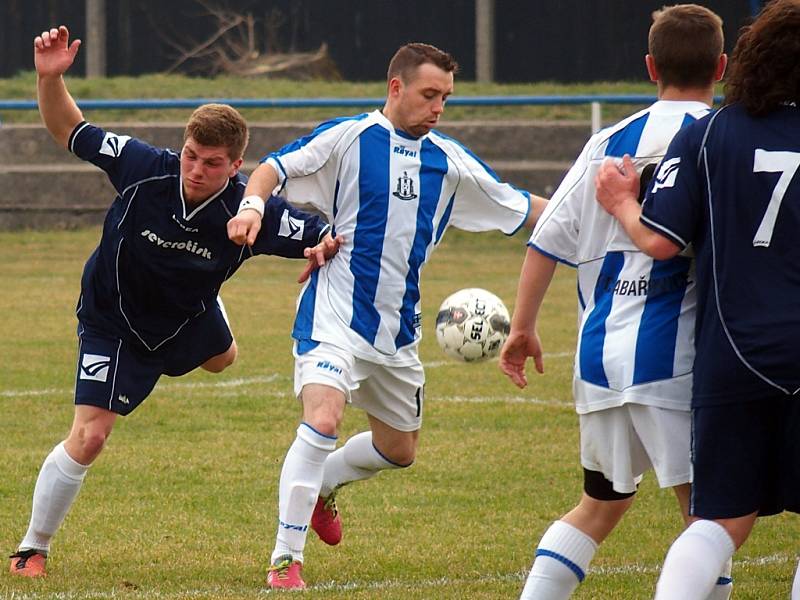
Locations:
column 160, row 262
column 636, row 325
column 391, row 197
column 729, row 185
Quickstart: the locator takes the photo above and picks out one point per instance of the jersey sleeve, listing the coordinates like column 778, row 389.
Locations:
column 556, row 231
column 307, row 167
column 482, row 202
column 125, row 160
column 287, row 231
column 672, row 205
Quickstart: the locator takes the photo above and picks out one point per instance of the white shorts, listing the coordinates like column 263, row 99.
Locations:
column 623, row 442
column 393, row 395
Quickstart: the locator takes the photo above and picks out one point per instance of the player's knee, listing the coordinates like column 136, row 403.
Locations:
column 323, row 408
column 86, row 443
column 220, row 362
column 324, row 422
column 400, row 455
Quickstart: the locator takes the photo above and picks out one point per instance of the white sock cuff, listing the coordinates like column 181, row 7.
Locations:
column 320, row 441
column 68, row 465
column 715, row 534
column 570, row 543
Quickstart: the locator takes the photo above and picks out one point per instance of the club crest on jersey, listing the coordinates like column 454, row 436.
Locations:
column 405, row 188
column 113, row 144
column 290, row 227
column 94, row 367
column 667, row 173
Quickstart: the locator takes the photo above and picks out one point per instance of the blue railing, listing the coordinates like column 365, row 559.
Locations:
column 158, row 103
column 595, row 101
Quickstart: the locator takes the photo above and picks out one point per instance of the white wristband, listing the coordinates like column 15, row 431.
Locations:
column 253, row 202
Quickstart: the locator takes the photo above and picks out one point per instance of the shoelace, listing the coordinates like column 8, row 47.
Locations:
column 23, row 556
column 281, row 569
column 330, row 505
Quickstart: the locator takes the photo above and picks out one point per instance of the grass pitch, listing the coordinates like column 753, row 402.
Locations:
column 183, row 501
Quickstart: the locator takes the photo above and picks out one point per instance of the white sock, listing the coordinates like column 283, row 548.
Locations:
column 299, row 487
column 356, row 460
column 724, row 586
column 58, row 484
column 796, row 584
column 562, row 558
column 694, row 562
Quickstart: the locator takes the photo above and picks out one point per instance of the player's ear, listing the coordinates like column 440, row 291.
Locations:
column 395, row 85
column 721, row 66
column 235, row 166
column 650, row 62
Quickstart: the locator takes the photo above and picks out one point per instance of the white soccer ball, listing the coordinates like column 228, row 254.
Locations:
column 472, row 325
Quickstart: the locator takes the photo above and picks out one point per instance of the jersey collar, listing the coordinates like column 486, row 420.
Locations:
column 202, row 205
column 399, row 132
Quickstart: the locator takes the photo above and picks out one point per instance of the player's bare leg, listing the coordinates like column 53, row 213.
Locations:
column 220, row 362
column 724, row 586
column 699, row 554
column 301, row 477
column 58, row 484
column 363, row 456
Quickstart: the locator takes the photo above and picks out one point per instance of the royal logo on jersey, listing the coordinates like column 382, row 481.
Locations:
column 667, row 173
column 405, row 188
column 113, row 144
column 290, row 227
column 94, row 367
column 327, row 366
column 403, row 151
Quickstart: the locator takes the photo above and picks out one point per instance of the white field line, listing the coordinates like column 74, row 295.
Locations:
column 167, row 384
column 386, row 584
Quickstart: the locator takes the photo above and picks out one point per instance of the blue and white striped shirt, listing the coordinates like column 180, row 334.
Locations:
column 636, row 328
column 391, row 197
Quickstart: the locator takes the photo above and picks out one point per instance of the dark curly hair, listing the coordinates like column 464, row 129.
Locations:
column 764, row 72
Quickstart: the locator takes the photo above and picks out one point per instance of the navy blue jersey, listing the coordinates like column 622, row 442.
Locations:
column 729, row 186
column 161, row 263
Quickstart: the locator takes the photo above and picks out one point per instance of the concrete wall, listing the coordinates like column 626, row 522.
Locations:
column 45, row 186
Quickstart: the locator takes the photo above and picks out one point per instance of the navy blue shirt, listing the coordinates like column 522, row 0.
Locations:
column 729, row 186
column 161, row 262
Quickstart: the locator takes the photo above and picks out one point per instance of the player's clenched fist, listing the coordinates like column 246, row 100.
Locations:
column 244, row 227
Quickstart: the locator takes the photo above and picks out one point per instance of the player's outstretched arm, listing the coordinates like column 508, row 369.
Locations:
column 318, row 255
column 523, row 340
column 244, row 227
column 617, row 192
column 53, row 55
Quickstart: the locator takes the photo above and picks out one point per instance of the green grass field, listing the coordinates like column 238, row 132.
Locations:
column 183, row 501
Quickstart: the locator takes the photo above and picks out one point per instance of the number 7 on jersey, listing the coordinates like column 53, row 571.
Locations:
column 785, row 163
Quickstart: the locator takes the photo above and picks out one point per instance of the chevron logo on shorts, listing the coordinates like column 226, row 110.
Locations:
column 94, row 367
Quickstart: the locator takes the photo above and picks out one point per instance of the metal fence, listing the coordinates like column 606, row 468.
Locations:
column 595, row 101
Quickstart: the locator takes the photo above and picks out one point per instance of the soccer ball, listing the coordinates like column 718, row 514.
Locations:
column 472, row 325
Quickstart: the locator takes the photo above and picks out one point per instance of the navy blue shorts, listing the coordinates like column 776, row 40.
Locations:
column 117, row 375
column 746, row 458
